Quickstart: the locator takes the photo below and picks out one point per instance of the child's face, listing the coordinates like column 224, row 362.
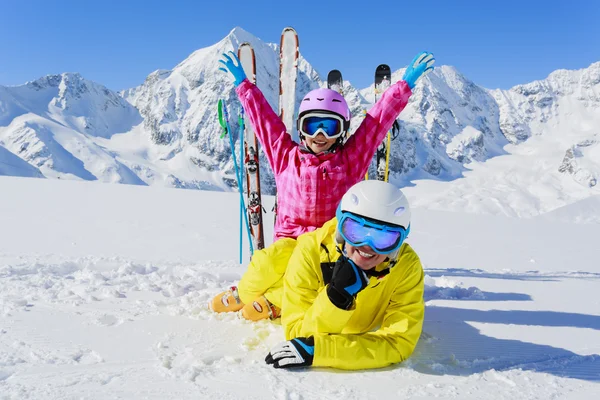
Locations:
column 320, row 143
column 364, row 256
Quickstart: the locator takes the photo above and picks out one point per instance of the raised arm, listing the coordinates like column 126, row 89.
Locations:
column 361, row 146
column 269, row 128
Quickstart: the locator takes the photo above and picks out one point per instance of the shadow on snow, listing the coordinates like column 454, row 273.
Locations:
column 450, row 345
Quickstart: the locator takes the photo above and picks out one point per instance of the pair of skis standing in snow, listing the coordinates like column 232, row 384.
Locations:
column 326, row 309
column 383, row 76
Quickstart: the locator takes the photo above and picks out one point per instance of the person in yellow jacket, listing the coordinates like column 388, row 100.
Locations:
column 353, row 289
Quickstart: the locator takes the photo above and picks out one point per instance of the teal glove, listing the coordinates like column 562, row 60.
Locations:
column 236, row 70
column 420, row 66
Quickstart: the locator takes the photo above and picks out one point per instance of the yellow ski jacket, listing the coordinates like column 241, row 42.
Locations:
column 383, row 326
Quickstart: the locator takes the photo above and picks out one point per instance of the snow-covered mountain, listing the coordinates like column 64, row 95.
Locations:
column 566, row 108
column 449, row 122
column 179, row 106
column 165, row 131
column 54, row 123
column 552, row 155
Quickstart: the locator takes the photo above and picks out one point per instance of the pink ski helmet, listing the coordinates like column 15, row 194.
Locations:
column 325, row 100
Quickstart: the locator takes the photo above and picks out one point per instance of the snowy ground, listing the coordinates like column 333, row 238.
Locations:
column 103, row 290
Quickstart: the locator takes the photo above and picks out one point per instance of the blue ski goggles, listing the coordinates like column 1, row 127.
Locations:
column 330, row 125
column 358, row 231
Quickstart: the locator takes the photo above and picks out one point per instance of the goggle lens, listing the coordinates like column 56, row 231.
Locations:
column 329, row 126
column 357, row 233
column 312, row 125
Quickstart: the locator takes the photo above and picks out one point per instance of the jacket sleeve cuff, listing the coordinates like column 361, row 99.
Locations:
column 405, row 92
column 243, row 87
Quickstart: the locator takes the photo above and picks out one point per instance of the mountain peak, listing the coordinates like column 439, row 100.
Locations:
column 52, row 81
column 241, row 34
column 66, row 81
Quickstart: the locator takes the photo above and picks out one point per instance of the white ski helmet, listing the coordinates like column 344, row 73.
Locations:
column 379, row 201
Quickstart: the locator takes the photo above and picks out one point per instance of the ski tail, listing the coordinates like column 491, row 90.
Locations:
column 248, row 61
column 335, row 81
column 251, row 157
column 288, row 74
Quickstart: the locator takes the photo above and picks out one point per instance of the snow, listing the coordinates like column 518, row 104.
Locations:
column 12, row 165
column 583, row 211
column 525, row 183
column 103, row 290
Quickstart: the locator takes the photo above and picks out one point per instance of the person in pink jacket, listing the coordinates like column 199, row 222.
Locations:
column 311, row 176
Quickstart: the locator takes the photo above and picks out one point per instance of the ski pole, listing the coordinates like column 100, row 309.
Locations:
column 241, row 188
column 242, row 206
column 235, row 164
column 387, row 158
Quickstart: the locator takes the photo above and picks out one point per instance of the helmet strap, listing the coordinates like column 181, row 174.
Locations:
column 338, row 143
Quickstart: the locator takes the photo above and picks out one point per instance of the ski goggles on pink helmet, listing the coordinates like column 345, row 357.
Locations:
column 313, row 123
column 358, row 231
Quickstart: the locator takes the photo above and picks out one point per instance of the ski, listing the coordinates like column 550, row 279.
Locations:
column 335, row 81
column 288, row 73
column 383, row 80
column 251, row 160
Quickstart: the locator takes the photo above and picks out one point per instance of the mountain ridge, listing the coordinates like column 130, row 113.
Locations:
column 165, row 131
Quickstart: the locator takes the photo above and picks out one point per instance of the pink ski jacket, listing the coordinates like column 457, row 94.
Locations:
column 309, row 186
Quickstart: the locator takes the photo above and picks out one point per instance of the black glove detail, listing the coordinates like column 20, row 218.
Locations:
column 348, row 279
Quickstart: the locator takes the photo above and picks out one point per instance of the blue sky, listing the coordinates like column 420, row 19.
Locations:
column 497, row 44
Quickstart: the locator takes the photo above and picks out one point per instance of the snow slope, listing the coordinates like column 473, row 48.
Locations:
column 585, row 211
column 103, row 291
column 11, row 165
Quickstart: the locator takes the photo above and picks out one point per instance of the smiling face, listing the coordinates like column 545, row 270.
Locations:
column 320, row 143
column 364, row 256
